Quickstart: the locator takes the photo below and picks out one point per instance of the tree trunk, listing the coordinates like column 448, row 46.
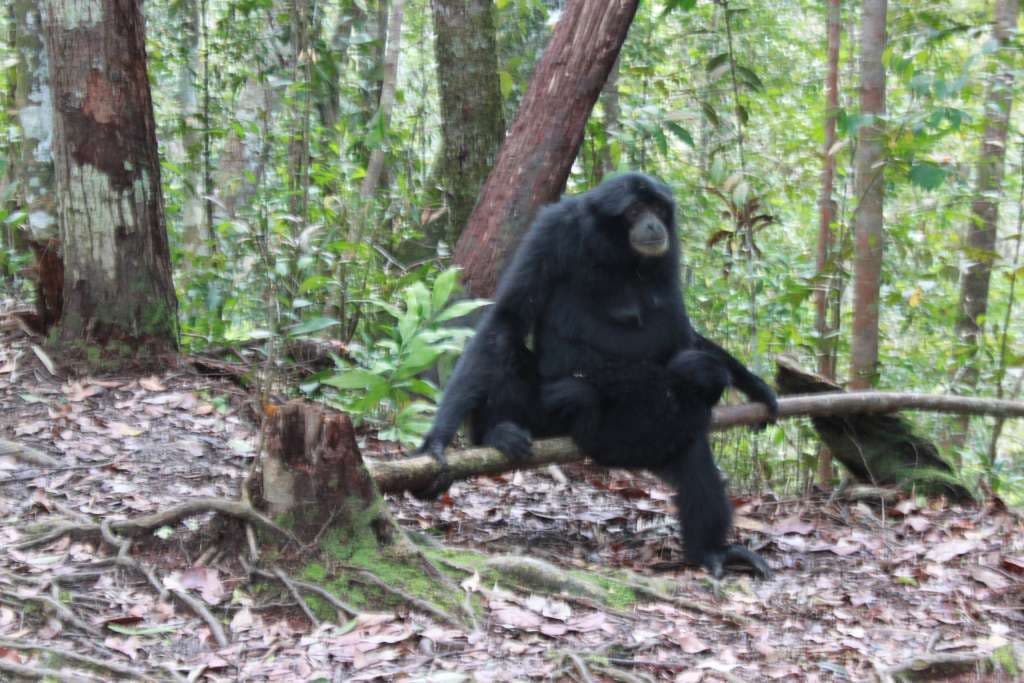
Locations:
column 982, row 227
column 542, row 144
column 870, row 189
column 35, row 115
column 387, row 98
column 349, row 17
column 312, row 480
column 117, row 284
column 303, row 31
column 472, row 122
column 193, row 220
column 826, row 289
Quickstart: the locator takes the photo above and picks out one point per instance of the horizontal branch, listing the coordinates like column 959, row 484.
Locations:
column 418, row 471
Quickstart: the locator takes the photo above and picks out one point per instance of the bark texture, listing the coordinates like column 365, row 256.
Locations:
column 542, row 144
column 982, row 229
column 870, row 189
column 472, row 121
column 117, row 283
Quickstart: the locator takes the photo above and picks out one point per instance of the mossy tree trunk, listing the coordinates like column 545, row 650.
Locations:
column 117, row 284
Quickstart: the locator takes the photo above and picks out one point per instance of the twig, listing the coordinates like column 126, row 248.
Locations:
column 692, row 605
column 27, row 454
column 581, row 666
column 946, row 664
column 283, row 578
column 52, row 471
column 122, row 559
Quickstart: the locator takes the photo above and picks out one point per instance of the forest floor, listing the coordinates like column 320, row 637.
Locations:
column 859, row 587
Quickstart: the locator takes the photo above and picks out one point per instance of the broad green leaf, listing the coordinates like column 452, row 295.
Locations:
column 444, row 285
column 927, row 175
column 355, row 379
column 505, row 83
column 680, row 132
column 315, row 283
column 312, row 325
column 461, row 308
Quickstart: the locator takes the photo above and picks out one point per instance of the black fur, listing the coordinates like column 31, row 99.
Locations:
column 615, row 361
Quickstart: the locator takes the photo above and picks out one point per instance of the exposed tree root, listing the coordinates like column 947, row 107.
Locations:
column 136, row 526
column 293, row 589
column 334, row 601
column 197, row 607
column 27, row 454
column 414, row 602
column 115, row 668
column 943, row 665
column 37, row 672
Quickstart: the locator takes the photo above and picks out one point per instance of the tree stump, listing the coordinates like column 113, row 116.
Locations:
column 311, row 480
column 311, row 476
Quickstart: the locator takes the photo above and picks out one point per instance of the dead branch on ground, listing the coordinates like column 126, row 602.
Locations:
column 417, row 472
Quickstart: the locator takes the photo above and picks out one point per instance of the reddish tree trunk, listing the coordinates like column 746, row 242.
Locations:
column 870, row 186
column 826, row 290
column 541, row 146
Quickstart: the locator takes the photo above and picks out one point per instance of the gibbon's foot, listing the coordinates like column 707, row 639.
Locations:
column 512, row 440
column 716, row 561
column 443, row 481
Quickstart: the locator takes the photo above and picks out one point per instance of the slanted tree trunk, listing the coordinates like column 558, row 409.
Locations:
column 117, row 285
column 472, row 121
column 542, row 144
column 825, row 292
column 983, row 224
column 870, row 189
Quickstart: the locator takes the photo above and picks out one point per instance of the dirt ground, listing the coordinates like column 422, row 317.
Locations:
column 859, row 587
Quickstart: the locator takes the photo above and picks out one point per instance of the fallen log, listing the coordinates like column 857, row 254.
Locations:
column 882, row 450
column 418, row 471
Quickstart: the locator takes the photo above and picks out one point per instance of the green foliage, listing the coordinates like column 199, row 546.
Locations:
column 414, row 337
